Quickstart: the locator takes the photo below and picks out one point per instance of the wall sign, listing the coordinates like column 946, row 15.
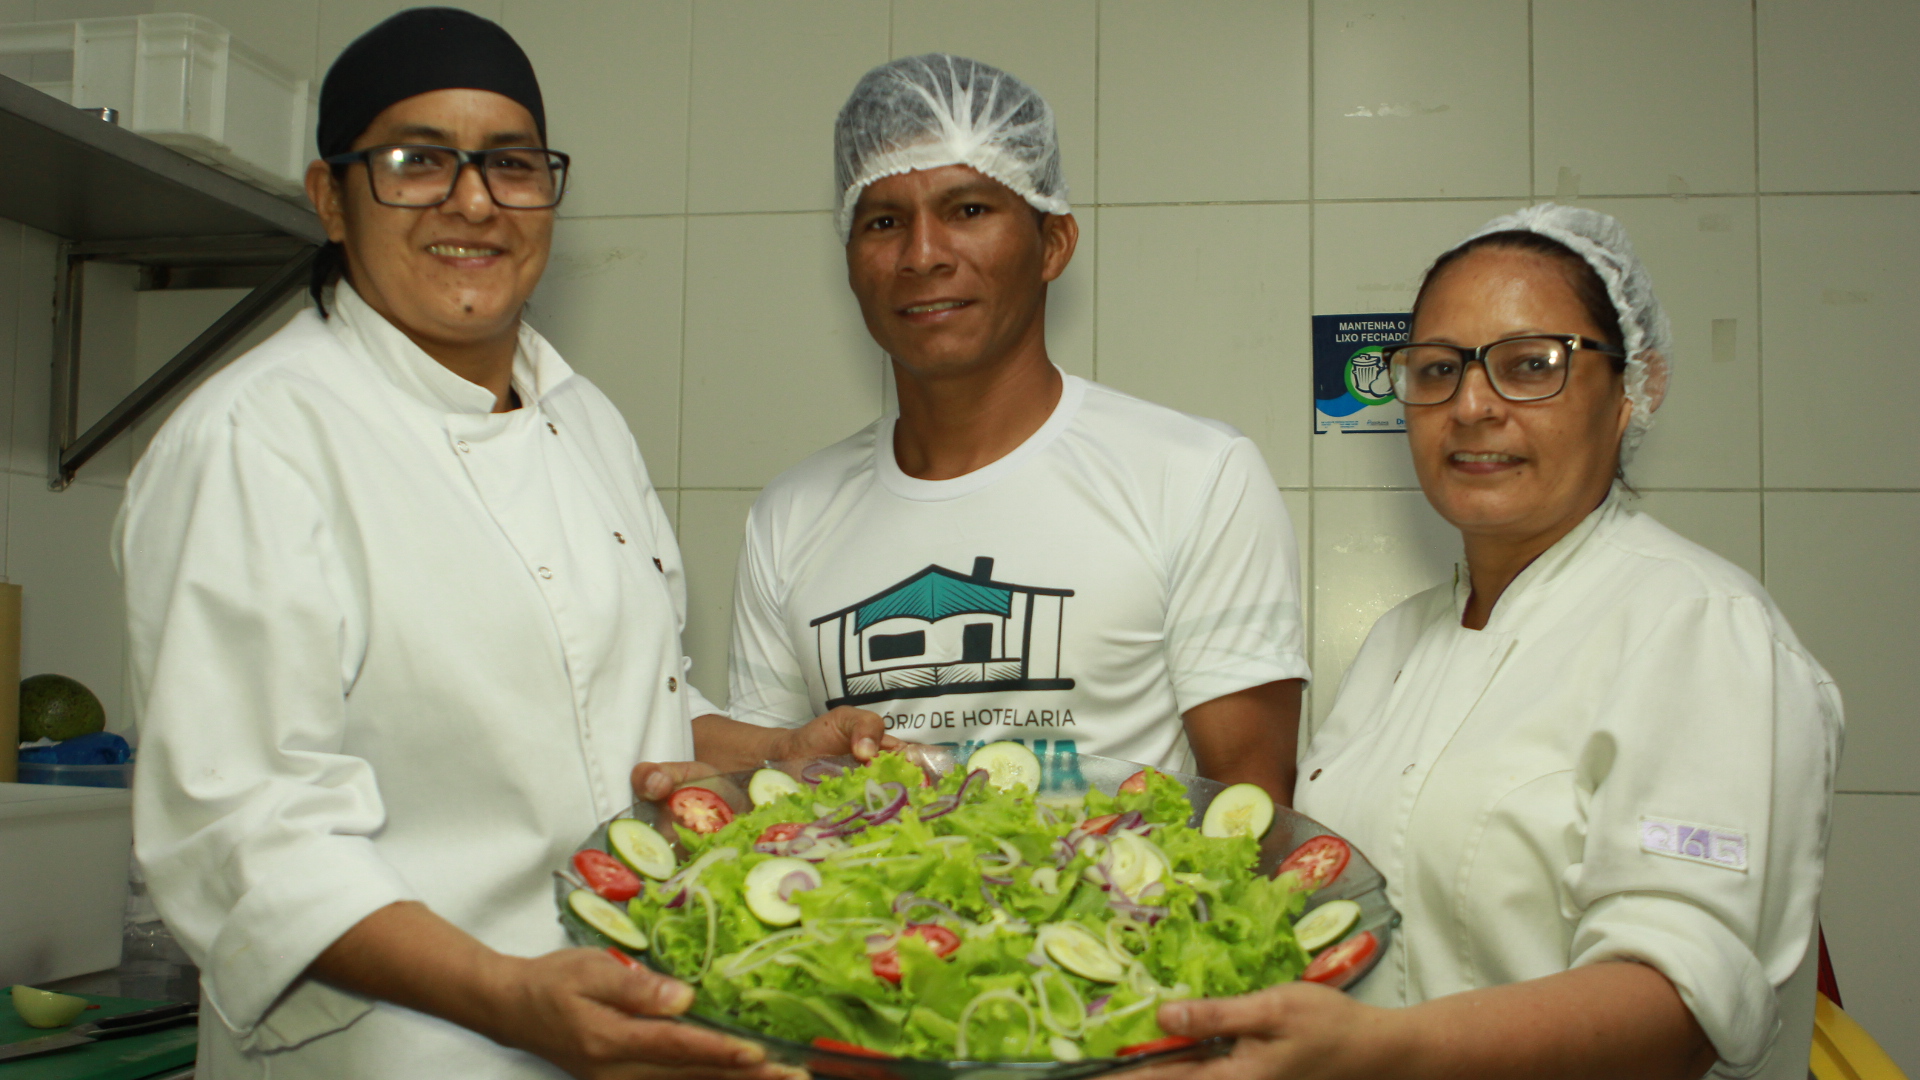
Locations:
column 1352, row 392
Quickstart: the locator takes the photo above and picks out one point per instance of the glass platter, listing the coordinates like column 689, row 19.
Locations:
column 1062, row 775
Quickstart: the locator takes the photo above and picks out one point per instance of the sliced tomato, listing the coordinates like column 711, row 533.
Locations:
column 1317, row 862
column 699, row 809
column 781, row 833
column 886, row 962
column 838, row 1047
column 606, row 875
column 625, row 960
column 1099, row 825
column 1135, row 784
column 938, row 938
column 1155, row 1046
column 1337, row 966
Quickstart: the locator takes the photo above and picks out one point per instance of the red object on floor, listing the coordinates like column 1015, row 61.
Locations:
column 1829, row 985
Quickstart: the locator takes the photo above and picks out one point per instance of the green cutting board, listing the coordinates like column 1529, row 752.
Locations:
column 135, row 1057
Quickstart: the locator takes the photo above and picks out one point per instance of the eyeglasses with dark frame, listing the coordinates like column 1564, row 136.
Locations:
column 416, row 176
column 1530, row 367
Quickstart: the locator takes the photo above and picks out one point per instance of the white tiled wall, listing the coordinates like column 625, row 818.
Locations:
column 1237, row 165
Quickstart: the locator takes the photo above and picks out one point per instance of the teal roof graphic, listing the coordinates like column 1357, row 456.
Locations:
column 979, row 636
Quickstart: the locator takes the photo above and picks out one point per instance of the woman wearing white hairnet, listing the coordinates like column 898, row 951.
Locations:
column 1595, row 768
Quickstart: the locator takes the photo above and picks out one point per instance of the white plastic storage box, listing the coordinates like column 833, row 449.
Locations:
column 64, row 855
column 178, row 79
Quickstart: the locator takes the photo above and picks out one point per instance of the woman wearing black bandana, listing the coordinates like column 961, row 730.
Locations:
column 404, row 610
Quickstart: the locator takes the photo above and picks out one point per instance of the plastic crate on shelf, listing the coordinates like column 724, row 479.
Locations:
column 177, row 79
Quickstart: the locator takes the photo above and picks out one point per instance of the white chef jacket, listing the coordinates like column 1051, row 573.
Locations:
column 1634, row 760
column 387, row 645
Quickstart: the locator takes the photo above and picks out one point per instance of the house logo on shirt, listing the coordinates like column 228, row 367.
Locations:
column 941, row 632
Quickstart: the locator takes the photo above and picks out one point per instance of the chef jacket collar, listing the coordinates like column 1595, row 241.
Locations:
column 1539, row 574
column 537, row 368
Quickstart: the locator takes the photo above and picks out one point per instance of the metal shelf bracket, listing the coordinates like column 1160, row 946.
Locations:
column 277, row 267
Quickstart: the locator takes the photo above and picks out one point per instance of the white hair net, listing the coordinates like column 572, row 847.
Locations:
column 1602, row 242
column 923, row 112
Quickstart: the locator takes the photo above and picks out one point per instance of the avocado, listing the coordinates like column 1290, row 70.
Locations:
column 58, row 708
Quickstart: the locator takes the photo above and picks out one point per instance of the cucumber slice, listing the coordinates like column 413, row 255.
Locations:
column 1326, row 924
column 641, row 847
column 597, row 912
column 769, row 785
column 770, row 886
column 1074, row 947
column 1241, row 810
column 1065, row 1049
column 46, row 1009
column 1008, row 765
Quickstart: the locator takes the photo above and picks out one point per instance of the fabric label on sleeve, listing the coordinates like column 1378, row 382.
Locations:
column 1697, row 843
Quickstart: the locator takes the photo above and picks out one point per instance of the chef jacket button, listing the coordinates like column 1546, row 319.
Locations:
column 1407, row 770
column 672, row 684
column 1316, row 774
column 620, row 538
column 462, row 444
column 545, row 573
column 551, row 428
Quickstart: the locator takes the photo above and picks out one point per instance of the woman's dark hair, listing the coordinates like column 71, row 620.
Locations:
column 1586, row 284
column 328, row 265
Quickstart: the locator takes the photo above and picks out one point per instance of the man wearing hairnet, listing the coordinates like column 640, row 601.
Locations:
column 1015, row 552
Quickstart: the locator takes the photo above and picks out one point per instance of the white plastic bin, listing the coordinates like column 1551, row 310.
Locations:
column 177, row 79
column 63, row 879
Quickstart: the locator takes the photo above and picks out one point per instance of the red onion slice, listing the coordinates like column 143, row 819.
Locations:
column 798, row 881
column 845, row 828
column 940, row 807
column 906, row 902
column 839, row 815
column 973, row 778
column 820, row 770
column 896, row 802
column 1148, row 915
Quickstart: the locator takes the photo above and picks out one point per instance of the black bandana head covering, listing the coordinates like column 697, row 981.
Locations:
column 415, row 52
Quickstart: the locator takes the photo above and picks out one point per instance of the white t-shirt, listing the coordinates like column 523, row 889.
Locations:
column 1123, row 565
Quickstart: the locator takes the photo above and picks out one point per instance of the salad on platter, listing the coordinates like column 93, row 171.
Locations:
column 887, row 910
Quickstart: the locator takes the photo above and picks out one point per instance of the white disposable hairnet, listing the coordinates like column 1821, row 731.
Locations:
column 923, row 112
column 1602, row 242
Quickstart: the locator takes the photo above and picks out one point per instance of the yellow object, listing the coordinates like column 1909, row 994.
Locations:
column 46, row 1009
column 1842, row 1049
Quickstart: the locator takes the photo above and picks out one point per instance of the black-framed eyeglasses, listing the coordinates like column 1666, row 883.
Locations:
column 1532, row 367
column 417, row 176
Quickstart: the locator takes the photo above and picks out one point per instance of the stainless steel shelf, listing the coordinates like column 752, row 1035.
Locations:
column 115, row 196
column 81, row 178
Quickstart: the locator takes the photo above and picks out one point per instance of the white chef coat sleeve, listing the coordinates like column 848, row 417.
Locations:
column 764, row 677
column 1708, row 781
column 1233, row 608
column 251, row 822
